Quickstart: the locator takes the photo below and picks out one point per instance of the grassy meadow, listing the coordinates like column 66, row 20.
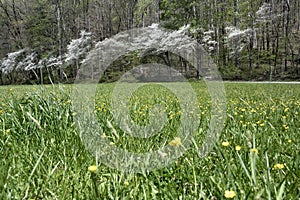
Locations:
column 256, row 157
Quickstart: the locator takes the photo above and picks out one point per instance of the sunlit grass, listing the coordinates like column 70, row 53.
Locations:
column 256, row 157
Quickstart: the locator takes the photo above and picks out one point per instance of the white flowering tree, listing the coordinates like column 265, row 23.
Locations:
column 264, row 13
column 10, row 62
column 28, row 64
column 23, row 63
column 78, row 48
column 151, row 41
column 208, row 42
column 237, row 36
column 49, row 63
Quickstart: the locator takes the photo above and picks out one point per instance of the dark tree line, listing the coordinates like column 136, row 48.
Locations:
column 248, row 39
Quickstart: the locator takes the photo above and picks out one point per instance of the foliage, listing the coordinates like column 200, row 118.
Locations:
column 256, row 156
column 234, row 32
column 78, row 48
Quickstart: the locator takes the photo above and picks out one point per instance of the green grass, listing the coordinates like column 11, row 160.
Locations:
column 43, row 157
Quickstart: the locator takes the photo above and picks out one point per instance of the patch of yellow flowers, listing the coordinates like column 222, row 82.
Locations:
column 176, row 142
column 92, row 168
column 278, row 166
column 229, row 194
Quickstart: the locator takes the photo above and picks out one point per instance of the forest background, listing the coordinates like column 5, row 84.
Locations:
column 45, row 41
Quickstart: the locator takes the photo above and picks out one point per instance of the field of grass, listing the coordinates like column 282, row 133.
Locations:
column 256, row 157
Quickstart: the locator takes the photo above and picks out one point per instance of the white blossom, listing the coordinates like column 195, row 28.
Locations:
column 28, row 63
column 79, row 47
column 237, row 40
column 50, row 61
column 207, row 41
column 11, row 61
column 233, row 32
column 264, row 13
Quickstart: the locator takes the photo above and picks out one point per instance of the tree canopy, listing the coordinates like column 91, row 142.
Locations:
column 44, row 41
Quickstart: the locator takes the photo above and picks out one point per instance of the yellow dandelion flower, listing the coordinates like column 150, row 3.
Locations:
column 7, row 131
column 229, row 194
column 126, row 183
column 176, row 142
column 68, row 101
column 289, row 141
column 285, row 126
column 255, row 151
column 225, row 144
column 92, row 168
column 278, row 166
column 238, row 147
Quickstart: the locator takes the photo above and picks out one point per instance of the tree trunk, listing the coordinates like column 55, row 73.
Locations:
column 59, row 37
column 286, row 39
column 237, row 43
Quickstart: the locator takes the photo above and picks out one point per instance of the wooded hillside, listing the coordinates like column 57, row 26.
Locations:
column 43, row 41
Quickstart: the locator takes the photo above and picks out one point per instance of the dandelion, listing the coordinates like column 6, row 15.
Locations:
column 176, row 142
column 225, row 144
column 126, row 183
column 278, row 166
column 92, row 168
column 285, row 126
column 229, row 194
column 289, row 141
column 7, row 131
column 255, row 151
column 253, row 111
column 237, row 148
